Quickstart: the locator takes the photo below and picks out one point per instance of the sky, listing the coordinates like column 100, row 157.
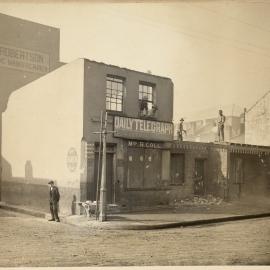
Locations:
column 216, row 52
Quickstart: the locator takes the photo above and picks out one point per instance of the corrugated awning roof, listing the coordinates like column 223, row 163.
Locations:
column 249, row 149
column 231, row 147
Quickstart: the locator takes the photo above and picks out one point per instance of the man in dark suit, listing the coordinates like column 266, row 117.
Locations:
column 54, row 200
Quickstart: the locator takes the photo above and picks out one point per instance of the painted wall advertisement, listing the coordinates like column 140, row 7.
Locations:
column 22, row 59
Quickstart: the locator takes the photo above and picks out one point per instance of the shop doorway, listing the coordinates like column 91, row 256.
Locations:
column 199, row 177
column 237, row 177
column 109, row 178
column 135, row 168
column 177, row 169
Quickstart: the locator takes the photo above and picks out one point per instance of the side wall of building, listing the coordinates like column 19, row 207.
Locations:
column 258, row 122
column 42, row 132
column 28, row 50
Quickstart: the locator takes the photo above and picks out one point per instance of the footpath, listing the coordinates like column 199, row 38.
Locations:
column 180, row 215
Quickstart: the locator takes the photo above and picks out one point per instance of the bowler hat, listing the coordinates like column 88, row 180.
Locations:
column 51, row 182
column 181, row 119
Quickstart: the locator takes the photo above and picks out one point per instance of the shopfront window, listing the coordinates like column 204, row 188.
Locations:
column 144, row 168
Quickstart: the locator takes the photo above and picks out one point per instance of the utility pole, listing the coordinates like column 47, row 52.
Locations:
column 99, row 161
column 102, row 201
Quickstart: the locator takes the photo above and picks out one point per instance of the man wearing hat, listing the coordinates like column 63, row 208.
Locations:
column 181, row 130
column 221, row 122
column 54, row 200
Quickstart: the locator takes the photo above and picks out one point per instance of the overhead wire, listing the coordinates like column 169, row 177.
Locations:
column 205, row 36
column 231, row 18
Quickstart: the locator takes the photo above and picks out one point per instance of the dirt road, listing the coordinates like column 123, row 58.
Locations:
column 29, row 241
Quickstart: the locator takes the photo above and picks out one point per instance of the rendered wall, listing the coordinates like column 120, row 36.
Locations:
column 205, row 130
column 218, row 167
column 258, row 122
column 21, row 36
column 42, row 132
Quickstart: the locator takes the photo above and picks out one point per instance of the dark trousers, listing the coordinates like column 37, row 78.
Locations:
column 180, row 136
column 54, row 210
column 221, row 133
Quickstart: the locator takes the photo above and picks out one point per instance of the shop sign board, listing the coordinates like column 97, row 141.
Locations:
column 143, row 144
column 142, row 129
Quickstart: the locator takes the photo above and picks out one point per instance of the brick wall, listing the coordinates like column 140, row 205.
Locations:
column 217, row 171
column 95, row 96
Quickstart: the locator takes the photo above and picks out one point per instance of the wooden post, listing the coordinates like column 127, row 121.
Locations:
column 99, row 160
column 103, row 203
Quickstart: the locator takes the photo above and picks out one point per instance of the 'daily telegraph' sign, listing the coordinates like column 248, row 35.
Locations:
column 142, row 129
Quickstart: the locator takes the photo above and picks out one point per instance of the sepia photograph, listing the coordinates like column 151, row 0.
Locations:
column 134, row 133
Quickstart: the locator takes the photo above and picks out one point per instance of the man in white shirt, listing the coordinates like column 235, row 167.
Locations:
column 221, row 122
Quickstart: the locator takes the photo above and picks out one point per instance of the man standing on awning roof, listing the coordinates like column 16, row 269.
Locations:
column 181, row 130
column 221, row 122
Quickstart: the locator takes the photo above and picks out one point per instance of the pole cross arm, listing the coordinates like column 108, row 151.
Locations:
column 102, row 132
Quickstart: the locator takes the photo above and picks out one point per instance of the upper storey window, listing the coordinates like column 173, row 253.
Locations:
column 147, row 100
column 114, row 93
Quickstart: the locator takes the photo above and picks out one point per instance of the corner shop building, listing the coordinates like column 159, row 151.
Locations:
column 48, row 134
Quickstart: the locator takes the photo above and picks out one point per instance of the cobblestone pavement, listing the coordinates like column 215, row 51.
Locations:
column 29, row 241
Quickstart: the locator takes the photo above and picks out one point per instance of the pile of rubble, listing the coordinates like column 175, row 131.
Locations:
column 196, row 200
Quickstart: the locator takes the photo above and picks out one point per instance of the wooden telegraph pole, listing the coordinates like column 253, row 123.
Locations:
column 99, row 161
column 103, row 201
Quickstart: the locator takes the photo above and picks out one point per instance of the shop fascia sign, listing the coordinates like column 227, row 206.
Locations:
column 142, row 129
column 145, row 144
